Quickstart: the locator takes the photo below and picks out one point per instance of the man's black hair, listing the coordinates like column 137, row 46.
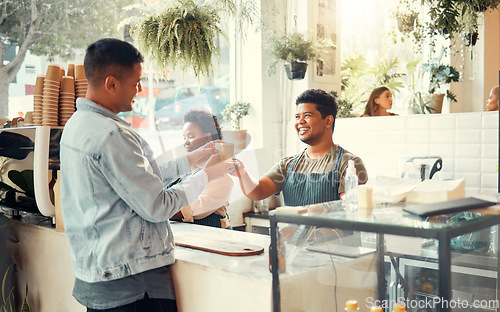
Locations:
column 325, row 102
column 109, row 57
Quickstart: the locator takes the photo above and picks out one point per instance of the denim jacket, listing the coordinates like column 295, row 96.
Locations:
column 114, row 205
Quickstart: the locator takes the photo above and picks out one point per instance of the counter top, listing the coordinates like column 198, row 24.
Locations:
column 254, row 266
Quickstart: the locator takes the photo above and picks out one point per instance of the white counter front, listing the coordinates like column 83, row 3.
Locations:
column 211, row 282
column 203, row 281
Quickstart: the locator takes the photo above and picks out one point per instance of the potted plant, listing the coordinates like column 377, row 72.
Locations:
column 294, row 50
column 233, row 113
column 440, row 74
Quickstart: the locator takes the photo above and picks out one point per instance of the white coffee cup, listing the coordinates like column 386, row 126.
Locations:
column 226, row 150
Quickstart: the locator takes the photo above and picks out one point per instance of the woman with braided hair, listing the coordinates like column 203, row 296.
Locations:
column 201, row 127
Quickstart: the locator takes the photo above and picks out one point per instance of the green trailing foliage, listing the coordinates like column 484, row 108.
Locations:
column 183, row 36
column 450, row 17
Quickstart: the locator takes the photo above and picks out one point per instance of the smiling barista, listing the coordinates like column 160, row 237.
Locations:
column 315, row 175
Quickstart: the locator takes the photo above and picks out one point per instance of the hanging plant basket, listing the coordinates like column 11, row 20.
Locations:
column 295, row 70
column 184, row 35
column 470, row 39
column 406, row 23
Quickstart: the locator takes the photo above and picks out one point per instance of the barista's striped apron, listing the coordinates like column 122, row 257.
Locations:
column 302, row 189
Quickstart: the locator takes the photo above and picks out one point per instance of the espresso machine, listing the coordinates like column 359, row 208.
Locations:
column 28, row 169
column 421, row 167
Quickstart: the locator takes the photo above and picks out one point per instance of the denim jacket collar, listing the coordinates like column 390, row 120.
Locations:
column 84, row 104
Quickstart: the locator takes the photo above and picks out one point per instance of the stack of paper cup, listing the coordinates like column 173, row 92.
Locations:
column 37, row 101
column 66, row 99
column 50, row 96
column 80, row 81
column 28, row 119
column 71, row 70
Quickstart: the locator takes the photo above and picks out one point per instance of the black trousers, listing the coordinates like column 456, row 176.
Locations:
column 144, row 305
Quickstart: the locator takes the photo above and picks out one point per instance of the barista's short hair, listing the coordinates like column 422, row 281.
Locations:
column 110, row 57
column 325, row 102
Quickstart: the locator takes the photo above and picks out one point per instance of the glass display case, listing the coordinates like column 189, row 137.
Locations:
column 473, row 282
column 382, row 256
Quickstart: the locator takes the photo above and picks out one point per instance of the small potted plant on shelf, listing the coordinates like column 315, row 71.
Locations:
column 233, row 112
column 294, row 50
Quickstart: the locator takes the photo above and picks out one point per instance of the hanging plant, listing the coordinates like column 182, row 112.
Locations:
column 294, row 48
column 183, row 36
column 449, row 18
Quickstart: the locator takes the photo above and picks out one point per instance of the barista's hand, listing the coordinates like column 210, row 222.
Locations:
column 240, row 168
column 215, row 168
column 199, row 157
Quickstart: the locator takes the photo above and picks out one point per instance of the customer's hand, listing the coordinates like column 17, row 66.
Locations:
column 215, row 168
column 200, row 156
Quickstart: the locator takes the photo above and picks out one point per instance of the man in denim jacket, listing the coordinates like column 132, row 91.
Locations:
column 114, row 204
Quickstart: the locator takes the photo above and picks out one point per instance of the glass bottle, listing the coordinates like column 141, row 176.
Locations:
column 351, row 186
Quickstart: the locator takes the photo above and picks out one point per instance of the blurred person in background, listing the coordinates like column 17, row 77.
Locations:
column 492, row 102
column 379, row 102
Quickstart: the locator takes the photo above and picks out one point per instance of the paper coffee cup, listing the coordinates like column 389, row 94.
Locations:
column 226, row 150
column 365, row 194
